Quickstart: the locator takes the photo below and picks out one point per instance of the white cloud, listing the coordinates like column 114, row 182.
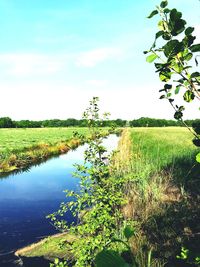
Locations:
column 31, row 64
column 93, row 57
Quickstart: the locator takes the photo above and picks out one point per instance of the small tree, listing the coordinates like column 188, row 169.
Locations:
column 97, row 201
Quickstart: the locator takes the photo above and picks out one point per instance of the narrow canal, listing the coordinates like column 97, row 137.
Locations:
column 28, row 197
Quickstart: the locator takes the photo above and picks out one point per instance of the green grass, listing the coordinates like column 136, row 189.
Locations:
column 18, row 140
column 164, row 184
column 161, row 147
column 21, row 147
column 49, row 248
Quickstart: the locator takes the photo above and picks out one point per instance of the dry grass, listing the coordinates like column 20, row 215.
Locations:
column 122, row 159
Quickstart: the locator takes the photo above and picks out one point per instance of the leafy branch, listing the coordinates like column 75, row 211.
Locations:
column 174, row 60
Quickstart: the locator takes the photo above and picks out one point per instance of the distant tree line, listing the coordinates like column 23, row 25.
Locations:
column 6, row 122
column 149, row 122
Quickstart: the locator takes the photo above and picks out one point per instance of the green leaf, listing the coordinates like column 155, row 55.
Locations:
column 175, row 15
column 169, row 94
column 181, row 108
column 162, row 97
column 158, row 34
column 177, row 89
column 160, row 66
column 195, row 74
column 166, row 36
column 178, row 115
column 153, row 13
column 189, row 30
column 151, row 58
column 129, row 232
column 165, row 75
column 176, row 24
column 172, row 48
column 166, row 10
column 177, row 67
column 110, row 258
column 195, row 48
column 189, row 40
column 164, row 4
column 188, row 56
column 178, row 27
column 188, row 96
column 198, row 157
column 167, row 86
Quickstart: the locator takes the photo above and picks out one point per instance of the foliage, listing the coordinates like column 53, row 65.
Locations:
column 112, row 258
column 150, row 122
column 186, row 256
column 97, row 202
column 6, row 122
column 59, row 263
column 55, row 123
column 174, row 59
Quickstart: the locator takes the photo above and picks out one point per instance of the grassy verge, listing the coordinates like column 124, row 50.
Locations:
column 162, row 192
column 20, row 148
column 50, row 248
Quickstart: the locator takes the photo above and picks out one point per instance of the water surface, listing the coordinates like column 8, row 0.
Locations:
column 27, row 197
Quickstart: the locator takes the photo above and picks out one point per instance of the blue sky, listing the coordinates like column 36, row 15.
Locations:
column 56, row 55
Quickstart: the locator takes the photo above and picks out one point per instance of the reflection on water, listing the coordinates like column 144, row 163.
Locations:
column 27, row 197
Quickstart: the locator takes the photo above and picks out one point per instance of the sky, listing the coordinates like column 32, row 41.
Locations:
column 55, row 55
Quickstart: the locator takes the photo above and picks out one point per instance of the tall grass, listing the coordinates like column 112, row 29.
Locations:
column 162, row 185
column 160, row 147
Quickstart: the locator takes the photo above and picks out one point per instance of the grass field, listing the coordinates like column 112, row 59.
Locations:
column 162, row 192
column 16, row 140
column 20, row 147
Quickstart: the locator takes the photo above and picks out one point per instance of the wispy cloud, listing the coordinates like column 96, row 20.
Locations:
column 31, row 64
column 93, row 57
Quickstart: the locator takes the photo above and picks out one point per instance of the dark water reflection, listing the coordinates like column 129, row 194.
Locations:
column 26, row 198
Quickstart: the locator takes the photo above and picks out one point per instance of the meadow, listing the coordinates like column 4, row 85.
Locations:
column 21, row 147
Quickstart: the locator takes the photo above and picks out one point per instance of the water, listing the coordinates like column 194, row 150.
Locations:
column 27, row 197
